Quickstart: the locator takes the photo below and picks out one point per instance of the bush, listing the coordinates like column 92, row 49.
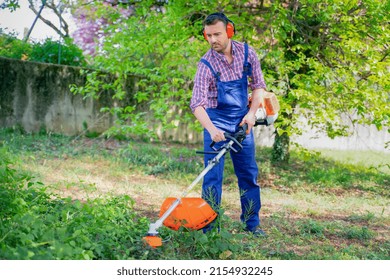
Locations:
column 12, row 47
column 54, row 52
column 48, row 51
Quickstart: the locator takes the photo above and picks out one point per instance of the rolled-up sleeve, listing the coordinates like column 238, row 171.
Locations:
column 257, row 78
column 201, row 87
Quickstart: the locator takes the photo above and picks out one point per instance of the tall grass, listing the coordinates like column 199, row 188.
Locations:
column 37, row 224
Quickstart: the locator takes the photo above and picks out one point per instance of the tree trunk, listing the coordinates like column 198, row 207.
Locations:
column 281, row 148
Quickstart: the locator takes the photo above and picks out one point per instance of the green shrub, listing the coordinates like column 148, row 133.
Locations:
column 12, row 47
column 51, row 51
column 218, row 243
column 48, row 51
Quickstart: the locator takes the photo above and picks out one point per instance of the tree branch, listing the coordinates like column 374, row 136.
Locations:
column 64, row 25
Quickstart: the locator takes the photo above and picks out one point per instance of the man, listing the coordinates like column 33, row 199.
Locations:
column 220, row 103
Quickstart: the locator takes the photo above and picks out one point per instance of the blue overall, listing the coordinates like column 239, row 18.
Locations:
column 231, row 109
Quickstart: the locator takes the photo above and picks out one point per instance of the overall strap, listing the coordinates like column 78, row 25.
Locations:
column 247, row 66
column 205, row 62
column 245, row 53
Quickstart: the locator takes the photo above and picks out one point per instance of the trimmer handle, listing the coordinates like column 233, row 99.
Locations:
column 237, row 137
column 241, row 133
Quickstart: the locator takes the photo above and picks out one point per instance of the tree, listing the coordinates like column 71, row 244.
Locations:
column 91, row 22
column 324, row 59
column 57, row 7
column 334, row 64
column 155, row 44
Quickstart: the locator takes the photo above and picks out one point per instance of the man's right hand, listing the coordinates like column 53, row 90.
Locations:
column 202, row 116
column 217, row 135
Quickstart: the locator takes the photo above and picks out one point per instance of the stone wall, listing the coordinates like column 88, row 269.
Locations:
column 37, row 96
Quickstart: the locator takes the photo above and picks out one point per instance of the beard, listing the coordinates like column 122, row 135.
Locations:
column 218, row 47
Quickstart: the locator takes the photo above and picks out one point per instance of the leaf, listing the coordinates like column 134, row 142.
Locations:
column 202, row 239
column 225, row 255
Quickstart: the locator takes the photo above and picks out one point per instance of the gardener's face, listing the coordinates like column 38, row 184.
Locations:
column 217, row 36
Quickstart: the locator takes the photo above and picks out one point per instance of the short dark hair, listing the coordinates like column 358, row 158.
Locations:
column 214, row 18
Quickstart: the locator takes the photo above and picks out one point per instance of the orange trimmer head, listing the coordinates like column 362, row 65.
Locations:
column 153, row 241
column 192, row 213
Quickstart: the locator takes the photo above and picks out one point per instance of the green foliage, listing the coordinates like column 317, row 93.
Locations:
column 12, row 47
column 329, row 64
column 185, row 244
column 48, row 51
column 358, row 233
column 326, row 60
column 12, row 5
column 51, row 51
column 345, row 73
column 36, row 224
column 163, row 49
column 312, row 227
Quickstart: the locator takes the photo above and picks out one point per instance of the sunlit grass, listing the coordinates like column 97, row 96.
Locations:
column 368, row 159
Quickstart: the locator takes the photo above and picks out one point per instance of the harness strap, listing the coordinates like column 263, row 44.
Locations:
column 247, row 66
column 211, row 68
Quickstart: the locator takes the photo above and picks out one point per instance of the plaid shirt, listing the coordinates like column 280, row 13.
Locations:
column 205, row 92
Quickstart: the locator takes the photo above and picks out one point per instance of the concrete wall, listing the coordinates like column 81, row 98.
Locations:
column 363, row 137
column 36, row 96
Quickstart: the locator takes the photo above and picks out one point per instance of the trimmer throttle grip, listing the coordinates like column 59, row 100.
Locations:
column 237, row 137
column 241, row 133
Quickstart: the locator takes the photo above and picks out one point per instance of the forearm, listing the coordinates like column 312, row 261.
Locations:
column 202, row 116
column 257, row 99
column 204, row 119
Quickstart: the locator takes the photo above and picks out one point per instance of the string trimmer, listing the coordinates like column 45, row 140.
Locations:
column 196, row 213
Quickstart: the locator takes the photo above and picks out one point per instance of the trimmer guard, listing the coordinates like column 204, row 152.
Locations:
column 192, row 213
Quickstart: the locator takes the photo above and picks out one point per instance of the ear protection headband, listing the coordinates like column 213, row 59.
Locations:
column 230, row 29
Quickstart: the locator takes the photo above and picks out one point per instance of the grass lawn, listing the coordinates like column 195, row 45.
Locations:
column 369, row 159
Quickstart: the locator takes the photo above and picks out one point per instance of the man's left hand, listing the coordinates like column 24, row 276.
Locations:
column 249, row 119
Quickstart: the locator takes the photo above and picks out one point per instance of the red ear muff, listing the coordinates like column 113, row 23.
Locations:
column 229, row 31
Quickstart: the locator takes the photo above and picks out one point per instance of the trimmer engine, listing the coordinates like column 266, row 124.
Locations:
column 267, row 114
